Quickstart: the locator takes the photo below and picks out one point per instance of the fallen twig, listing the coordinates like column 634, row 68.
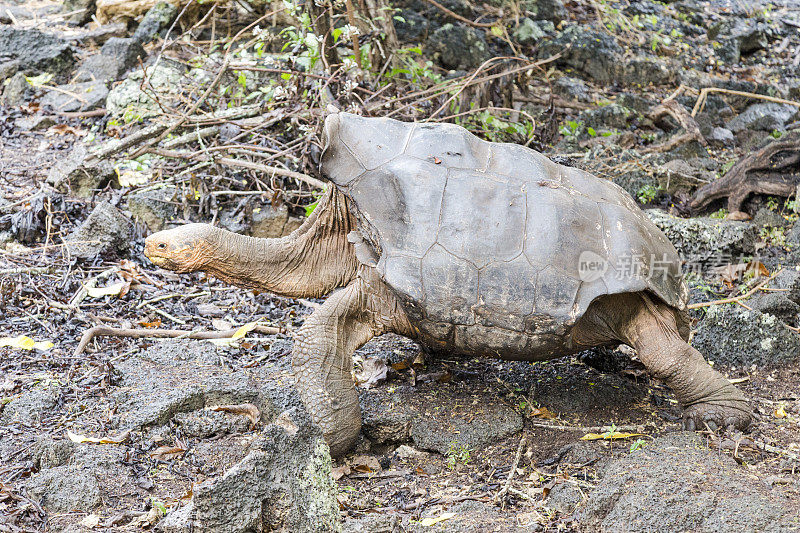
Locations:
column 735, row 299
column 701, row 100
column 104, row 331
column 456, row 16
column 507, row 486
column 305, row 178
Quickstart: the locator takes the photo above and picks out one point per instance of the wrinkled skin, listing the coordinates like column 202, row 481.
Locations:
column 318, row 259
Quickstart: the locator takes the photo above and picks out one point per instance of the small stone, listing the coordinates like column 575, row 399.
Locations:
column 156, row 208
column 608, row 116
column 721, row 136
column 76, row 97
column 766, row 217
column 34, row 123
column 593, row 53
column 158, row 18
column 65, row 489
column 81, row 11
column 32, row 406
column 106, row 229
column 36, row 50
column 572, row 89
column 552, row 10
column 458, row 47
column 17, row 90
column 73, row 174
column 165, row 79
column 8, row 69
column 529, row 32
column 767, row 116
column 270, row 222
column 117, row 56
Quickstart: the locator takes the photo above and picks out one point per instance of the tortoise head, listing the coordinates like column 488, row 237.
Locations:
column 183, row 249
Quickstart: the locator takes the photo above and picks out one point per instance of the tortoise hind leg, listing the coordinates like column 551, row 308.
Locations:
column 649, row 326
column 322, row 350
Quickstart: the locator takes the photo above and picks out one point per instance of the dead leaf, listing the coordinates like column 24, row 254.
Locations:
column 340, row 471
column 221, row 325
column 365, row 464
column 154, row 324
column 130, row 177
column 147, row 520
column 116, row 289
column 245, row 409
column 780, row 412
column 237, row 335
column 542, row 412
column 373, row 373
column 430, row 521
column 64, row 129
column 91, row 521
column 24, row 342
column 610, row 435
column 167, row 453
column 732, row 274
column 285, row 421
column 82, row 439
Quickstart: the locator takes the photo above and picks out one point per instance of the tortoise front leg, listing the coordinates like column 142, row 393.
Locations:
column 650, row 327
column 323, row 346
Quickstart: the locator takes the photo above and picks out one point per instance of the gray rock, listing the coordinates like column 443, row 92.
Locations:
column 572, row 89
column 64, row 489
column 165, row 79
column 164, row 367
column 750, row 35
column 464, row 427
column 8, row 69
column 789, row 278
column 158, row 18
column 637, row 102
column 82, row 11
column 642, row 71
column 75, row 175
column 721, row 136
column 34, row 123
column 17, row 90
column 32, row 406
column 593, row 53
column 269, row 222
column 116, row 57
column 704, row 239
column 50, row 453
column 458, row 47
column 653, row 489
column 106, row 229
column 607, row 116
column 766, row 217
column 76, row 97
column 678, row 174
column 36, row 50
column 382, row 423
column 564, row 497
column 766, row 116
column 154, row 207
column 732, row 335
column 529, row 32
column 283, row 484
column 552, row 10
column 776, row 304
column 204, row 424
column 373, row 523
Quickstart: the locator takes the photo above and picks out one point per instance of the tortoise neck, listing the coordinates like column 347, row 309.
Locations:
column 310, row 262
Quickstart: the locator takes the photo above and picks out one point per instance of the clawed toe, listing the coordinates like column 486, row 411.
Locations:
column 715, row 417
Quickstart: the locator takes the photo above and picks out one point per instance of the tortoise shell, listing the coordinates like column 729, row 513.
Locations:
column 474, row 235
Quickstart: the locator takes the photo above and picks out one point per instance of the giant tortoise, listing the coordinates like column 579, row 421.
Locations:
column 469, row 247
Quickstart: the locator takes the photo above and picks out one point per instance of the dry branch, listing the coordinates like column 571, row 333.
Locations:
column 691, row 130
column 104, row 331
column 774, row 169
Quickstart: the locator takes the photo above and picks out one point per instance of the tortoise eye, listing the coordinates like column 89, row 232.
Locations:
column 162, row 245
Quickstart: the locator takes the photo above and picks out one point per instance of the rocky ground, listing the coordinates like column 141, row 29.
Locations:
column 114, row 124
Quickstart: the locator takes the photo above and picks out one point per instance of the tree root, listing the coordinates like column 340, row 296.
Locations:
column 774, row 169
column 691, row 130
